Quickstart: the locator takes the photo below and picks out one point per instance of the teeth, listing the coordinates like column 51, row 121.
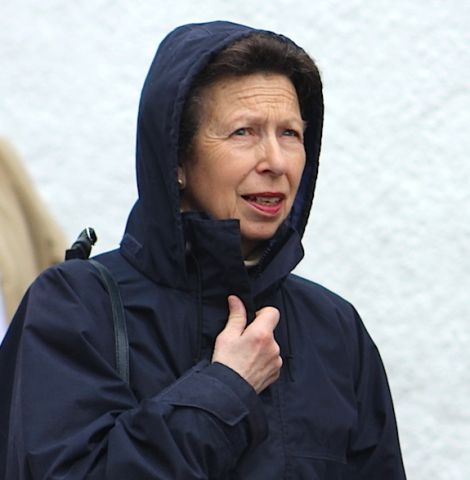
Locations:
column 265, row 200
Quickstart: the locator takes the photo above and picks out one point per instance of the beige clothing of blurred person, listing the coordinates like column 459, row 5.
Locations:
column 30, row 240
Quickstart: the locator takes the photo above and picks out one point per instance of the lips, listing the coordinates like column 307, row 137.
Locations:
column 266, row 202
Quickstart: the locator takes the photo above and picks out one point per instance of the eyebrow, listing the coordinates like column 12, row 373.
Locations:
column 251, row 117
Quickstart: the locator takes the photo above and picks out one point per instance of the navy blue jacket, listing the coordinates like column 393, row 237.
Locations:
column 328, row 416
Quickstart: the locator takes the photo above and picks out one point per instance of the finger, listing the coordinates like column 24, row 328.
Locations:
column 237, row 315
column 267, row 316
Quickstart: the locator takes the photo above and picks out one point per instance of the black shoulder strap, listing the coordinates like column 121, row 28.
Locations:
column 119, row 319
column 81, row 249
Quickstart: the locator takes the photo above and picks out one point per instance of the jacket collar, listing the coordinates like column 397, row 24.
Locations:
column 213, row 248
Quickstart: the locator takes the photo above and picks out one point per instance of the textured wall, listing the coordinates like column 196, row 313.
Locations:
column 390, row 228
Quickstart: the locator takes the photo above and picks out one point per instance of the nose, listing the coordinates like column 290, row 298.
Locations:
column 272, row 159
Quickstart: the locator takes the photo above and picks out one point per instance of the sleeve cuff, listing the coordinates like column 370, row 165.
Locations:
column 247, row 395
column 221, row 391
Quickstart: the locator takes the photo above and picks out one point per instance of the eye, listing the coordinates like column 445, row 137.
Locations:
column 240, row 132
column 289, row 132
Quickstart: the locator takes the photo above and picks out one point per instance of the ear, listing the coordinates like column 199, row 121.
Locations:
column 181, row 177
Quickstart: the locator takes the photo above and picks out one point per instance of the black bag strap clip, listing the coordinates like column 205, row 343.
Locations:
column 81, row 248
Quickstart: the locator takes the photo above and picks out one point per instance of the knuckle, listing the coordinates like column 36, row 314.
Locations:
column 262, row 336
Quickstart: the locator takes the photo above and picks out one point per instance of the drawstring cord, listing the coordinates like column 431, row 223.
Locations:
column 289, row 356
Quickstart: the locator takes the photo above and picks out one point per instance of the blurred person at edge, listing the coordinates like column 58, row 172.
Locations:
column 238, row 368
column 30, row 240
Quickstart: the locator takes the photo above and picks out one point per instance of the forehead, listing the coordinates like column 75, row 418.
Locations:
column 250, row 92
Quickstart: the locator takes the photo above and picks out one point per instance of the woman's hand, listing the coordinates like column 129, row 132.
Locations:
column 250, row 350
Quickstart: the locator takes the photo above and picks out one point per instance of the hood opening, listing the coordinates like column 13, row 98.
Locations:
column 154, row 242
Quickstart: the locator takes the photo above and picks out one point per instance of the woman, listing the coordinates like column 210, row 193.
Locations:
column 279, row 381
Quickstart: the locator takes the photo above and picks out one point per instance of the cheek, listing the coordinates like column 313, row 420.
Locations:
column 217, row 193
column 225, row 193
column 295, row 178
column 297, row 171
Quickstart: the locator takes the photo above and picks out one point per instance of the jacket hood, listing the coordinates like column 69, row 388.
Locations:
column 154, row 240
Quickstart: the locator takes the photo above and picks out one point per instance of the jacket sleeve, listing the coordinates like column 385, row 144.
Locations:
column 374, row 451
column 72, row 417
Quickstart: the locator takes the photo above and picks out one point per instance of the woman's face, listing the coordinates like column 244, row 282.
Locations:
column 248, row 155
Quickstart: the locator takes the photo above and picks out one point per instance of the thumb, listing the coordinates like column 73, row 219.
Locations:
column 237, row 315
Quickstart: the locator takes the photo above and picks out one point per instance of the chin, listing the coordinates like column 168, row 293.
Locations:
column 258, row 236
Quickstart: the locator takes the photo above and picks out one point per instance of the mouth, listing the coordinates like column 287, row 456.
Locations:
column 266, row 202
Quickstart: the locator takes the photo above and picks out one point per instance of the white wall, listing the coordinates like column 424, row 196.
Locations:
column 390, row 228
